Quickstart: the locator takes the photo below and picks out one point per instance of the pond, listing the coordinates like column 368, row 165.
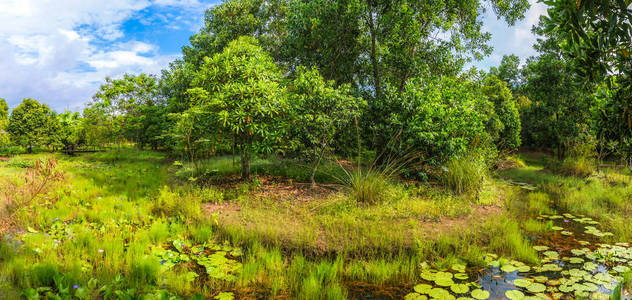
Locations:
column 574, row 264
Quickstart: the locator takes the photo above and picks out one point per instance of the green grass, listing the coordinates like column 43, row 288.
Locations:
column 105, row 222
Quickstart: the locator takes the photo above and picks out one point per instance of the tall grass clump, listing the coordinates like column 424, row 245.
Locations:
column 578, row 166
column 464, row 173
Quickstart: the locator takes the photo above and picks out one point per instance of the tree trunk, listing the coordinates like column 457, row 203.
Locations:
column 376, row 73
column 245, row 163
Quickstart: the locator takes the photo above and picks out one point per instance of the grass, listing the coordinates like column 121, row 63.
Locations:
column 101, row 228
column 464, row 174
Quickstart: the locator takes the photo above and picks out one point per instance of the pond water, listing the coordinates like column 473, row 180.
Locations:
column 575, row 264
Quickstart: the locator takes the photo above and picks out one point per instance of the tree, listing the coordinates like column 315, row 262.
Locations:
column 508, row 71
column 240, row 88
column 223, row 23
column 505, row 120
column 321, row 111
column 439, row 119
column 31, row 123
column 596, row 37
column 69, row 133
column 129, row 104
column 559, row 114
column 4, row 122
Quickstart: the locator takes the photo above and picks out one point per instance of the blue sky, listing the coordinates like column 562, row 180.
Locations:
column 59, row 51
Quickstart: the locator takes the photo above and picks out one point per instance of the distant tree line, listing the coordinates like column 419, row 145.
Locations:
column 310, row 79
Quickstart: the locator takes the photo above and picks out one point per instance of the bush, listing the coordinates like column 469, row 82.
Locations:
column 438, row 118
column 465, row 173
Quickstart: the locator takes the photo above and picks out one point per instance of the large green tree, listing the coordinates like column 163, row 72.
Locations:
column 595, row 36
column 31, row 124
column 320, row 112
column 242, row 94
column 559, row 114
column 132, row 107
column 504, row 124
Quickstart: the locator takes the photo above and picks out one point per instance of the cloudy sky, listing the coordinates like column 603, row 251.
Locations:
column 59, row 51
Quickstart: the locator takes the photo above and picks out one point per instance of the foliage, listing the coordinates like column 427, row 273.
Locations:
column 130, row 108
column 559, row 114
column 223, row 23
column 69, row 133
column 504, row 124
column 32, row 124
column 4, row 123
column 321, row 111
column 508, row 71
column 241, row 91
column 439, row 119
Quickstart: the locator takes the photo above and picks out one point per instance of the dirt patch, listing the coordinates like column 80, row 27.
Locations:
column 479, row 214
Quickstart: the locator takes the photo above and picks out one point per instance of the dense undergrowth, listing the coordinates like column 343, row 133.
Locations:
column 133, row 224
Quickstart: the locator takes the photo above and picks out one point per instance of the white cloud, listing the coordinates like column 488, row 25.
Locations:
column 58, row 51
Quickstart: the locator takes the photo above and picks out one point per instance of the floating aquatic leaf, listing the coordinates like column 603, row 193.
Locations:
column 579, row 252
column 508, row 268
column 540, row 278
column 458, row 268
column 439, row 293
column 480, row 294
column 540, row 248
column 575, row 260
column 459, row 288
column 566, row 233
column 551, row 254
column 423, row 288
column 621, row 269
column 415, row 296
column 427, row 275
column 524, row 269
column 599, row 296
column 445, row 282
column 520, row 282
column 554, row 282
column 590, row 266
column 514, row 295
column 557, row 228
column 461, row 276
column 536, row 287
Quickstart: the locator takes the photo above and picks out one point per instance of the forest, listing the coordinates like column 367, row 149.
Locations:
column 336, row 149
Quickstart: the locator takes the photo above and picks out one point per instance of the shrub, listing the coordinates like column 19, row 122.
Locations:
column 438, row 118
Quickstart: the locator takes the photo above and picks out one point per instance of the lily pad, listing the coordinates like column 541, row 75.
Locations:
column 480, row 294
column 536, row 287
column 541, row 248
column 520, row 282
column 461, row 276
column 514, row 295
column 439, row 293
column 459, row 288
column 508, row 268
column 423, row 288
column 415, row 296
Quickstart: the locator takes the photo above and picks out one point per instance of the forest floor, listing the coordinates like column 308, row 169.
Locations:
column 134, row 224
